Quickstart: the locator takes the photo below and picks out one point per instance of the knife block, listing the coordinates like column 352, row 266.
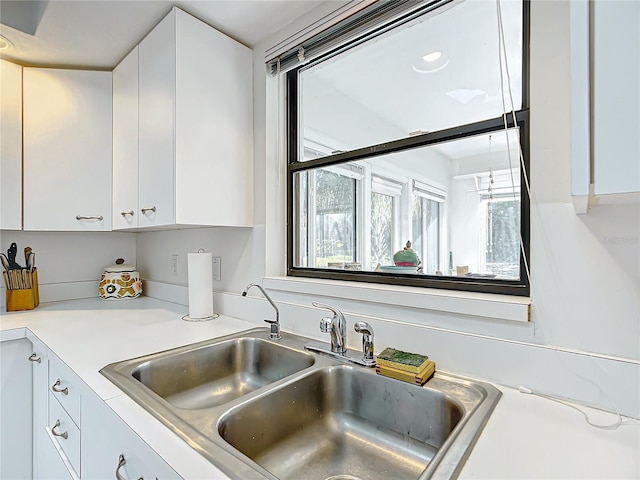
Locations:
column 24, row 298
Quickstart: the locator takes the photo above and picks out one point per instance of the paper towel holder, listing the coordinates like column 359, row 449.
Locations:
column 201, row 279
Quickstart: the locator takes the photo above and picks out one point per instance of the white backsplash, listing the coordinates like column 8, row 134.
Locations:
column 70, row 263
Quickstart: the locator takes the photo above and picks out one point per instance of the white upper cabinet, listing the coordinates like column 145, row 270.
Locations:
column 156, row 102
column 605, row 96
column 125, row 143
column 67, row 149
column 616, row 97
column 195, row 102
column 10, row 146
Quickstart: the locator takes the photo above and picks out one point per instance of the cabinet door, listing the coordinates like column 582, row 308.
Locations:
column 105, row 437
column 156, row 98
column 65, row 387
column 616, row 96
column 10, row 146
column 125, row 143
column 15, row 409
column 214, row 126
column 67, row 149
column 41, row 444
column 48, row 462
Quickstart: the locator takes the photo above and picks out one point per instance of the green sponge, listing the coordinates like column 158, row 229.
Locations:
column 409, row 362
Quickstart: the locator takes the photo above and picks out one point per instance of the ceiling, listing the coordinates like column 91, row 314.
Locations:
column 98, row 34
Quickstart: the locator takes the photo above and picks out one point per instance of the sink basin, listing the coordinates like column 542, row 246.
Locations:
column 207, row 375
column 343, row 422
column 268, row 409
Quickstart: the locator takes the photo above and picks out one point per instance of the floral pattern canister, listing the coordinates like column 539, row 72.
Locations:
column 120, row 281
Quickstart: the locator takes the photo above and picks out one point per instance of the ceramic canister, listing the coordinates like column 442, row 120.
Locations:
column 120, row 281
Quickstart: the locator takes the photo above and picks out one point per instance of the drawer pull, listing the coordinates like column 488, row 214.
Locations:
column 35, row 358
column 64, row 435
column 145, row 210
column 89, row 217
column 124, row 214
column 121, row 463
column 56, row 388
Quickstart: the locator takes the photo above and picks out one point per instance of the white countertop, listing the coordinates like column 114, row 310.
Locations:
column 527, row 437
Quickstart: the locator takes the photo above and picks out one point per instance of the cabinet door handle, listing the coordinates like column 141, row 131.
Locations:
column 35, row 358
column 145, row 210
column 121, row 463
column 124, row 214
column 64, row 435
column 90, row 217
column 56, row 388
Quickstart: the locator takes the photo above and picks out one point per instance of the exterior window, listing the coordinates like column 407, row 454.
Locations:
column 502, row 245
column 327, row 218
column 413, row 135
column 334, row 218
column 382, row 219
column 386, row 199
column 426, row 233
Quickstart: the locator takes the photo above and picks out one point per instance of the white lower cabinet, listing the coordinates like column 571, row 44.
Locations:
column 47, row 462
column 15, row 409
column 66, row 434
column 110, row 449
column 65, row 392
column 75, row 434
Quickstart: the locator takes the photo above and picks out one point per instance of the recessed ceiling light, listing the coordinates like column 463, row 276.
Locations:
column 431, row 62
column 432, row 57
column 5, row 43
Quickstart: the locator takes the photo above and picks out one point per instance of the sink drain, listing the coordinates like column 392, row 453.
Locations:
column 343, row 477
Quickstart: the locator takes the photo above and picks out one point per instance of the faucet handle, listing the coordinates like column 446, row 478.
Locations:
column 325, row 324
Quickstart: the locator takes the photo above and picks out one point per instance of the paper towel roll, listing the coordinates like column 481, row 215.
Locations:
column 200, row 273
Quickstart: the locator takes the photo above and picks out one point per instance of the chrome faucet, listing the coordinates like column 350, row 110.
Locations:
column 336, row 327
column 275, row 324
column 367, row 340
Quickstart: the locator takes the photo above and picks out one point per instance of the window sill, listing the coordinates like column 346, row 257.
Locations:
column 502, row 307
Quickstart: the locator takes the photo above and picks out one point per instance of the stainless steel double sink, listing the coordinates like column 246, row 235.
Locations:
column 261, row 408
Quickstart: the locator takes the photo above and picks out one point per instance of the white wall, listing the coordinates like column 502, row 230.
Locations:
column 70, row 263
column 241, row 251
column 584, row 336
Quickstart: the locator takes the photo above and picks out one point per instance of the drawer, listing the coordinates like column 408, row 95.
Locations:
column 65, row 387
column 109, row 445
column 65, row 432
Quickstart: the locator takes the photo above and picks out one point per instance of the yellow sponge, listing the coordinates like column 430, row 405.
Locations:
column 418, row 378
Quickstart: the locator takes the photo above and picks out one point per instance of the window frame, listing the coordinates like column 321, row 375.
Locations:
column 519, row 287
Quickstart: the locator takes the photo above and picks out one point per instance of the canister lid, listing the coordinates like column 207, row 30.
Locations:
column 119, row 267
